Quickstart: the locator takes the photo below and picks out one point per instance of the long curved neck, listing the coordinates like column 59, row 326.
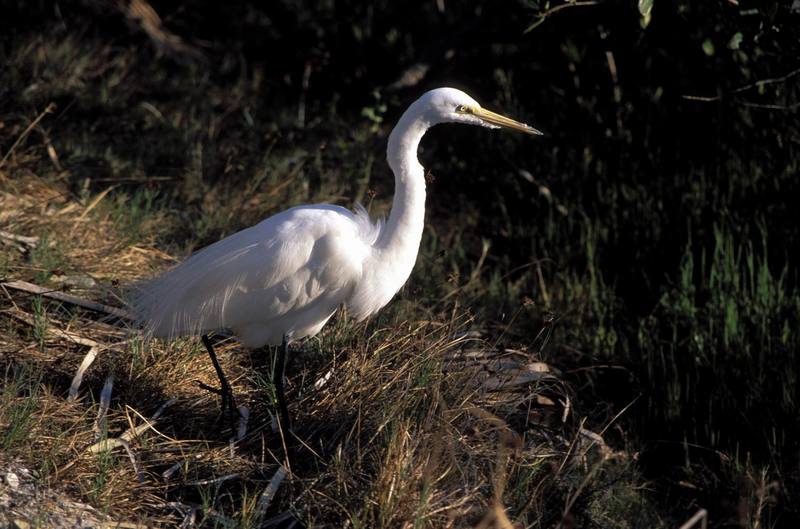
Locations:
column 403, row 230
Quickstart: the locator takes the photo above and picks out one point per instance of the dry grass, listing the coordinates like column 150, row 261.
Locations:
column 403, row 423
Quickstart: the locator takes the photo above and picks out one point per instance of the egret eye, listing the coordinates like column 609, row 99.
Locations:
column 463, row 109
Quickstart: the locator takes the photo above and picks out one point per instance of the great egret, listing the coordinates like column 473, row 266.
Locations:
column 282, row 279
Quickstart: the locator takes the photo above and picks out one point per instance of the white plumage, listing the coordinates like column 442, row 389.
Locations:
column 287, row 275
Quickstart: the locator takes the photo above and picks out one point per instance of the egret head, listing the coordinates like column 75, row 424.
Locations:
column 449, row 105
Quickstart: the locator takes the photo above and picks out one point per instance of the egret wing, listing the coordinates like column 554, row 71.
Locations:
column 283, row 265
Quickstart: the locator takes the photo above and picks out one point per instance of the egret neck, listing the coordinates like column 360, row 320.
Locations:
column 401, row 236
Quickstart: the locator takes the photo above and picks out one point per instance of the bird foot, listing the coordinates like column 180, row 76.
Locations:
column 228, row 407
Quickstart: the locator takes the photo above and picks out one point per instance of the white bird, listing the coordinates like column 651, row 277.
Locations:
column 282, row 279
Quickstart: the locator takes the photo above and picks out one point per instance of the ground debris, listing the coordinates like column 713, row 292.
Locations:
column 68, row 298
column 25, row 503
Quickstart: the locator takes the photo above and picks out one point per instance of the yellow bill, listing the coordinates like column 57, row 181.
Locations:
column 499, row 120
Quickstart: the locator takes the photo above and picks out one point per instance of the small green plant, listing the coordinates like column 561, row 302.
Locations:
column 18, row 404
column 130, row 211
column 98, row 485
column 40, row 322
column 725, row 317
column 46, row 258
column 209, row 497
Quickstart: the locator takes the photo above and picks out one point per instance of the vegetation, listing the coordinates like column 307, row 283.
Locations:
column 601, row 329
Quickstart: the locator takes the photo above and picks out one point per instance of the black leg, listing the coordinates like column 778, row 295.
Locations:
column 284, row 423
column 228, row 403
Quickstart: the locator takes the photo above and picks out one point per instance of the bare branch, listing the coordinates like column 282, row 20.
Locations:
column 68, row 298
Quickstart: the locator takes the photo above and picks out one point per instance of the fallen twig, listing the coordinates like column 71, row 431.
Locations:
column 171, row 470
column 321, row 381
column 110, row 444
column 94, row 349
column 272, row 488
column 167, row 474
column 700, row 516
column 68, row 298
column 76, row 380
column 105, row 402
column 132, row 456
column 73, row 337
column 189, row 519
column 209, row 481
column 59, row 333
column 244, row 415
column 30, row 242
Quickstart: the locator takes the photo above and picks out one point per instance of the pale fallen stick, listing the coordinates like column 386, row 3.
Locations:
column 567, row 408
column 69, row 298
column 132, row 456
column 94, row 349
column 593, row 436
column 110, row 444
column 30, row 242
column 71, row 336
column 189, row 513
column 177, row 466
column 189, row 519
column 597, row 439
column 700, row 516
column 209, row 481
column 273, row 422
column 60, row 333
column 76, row 505
column 244, row 415
column 241, row 430
column 181, row 507
column 105, row 402
column 321, row 381
column 516, row 376
column 269, row 493
column 171, row 470
column 85, row 364
column 76, row 380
